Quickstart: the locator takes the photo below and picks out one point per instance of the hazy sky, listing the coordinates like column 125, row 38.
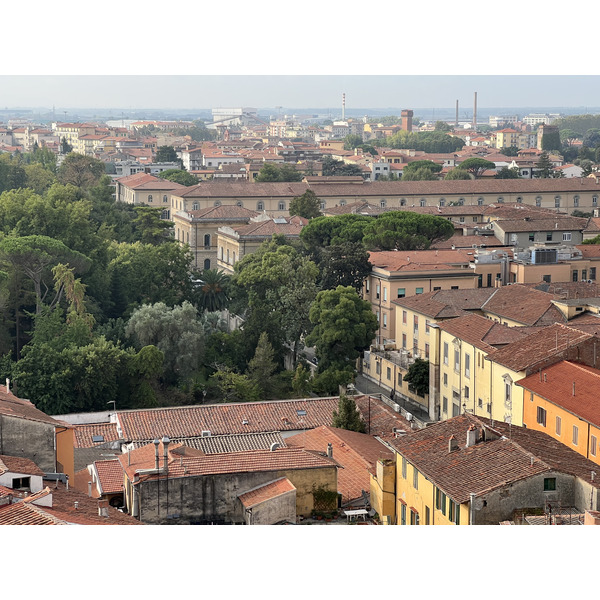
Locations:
column 320, row 91
column 192, row 49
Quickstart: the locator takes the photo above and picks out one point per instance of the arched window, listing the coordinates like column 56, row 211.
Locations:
column 500, row 200
column 556, row 201
column 519, row 199
column 342, row 203
column 195, row 206
column 149, row 197
column 281, row 205
column 165, row 198
column 221, row 249
column 479, row 201
column 423, row 202
column 575, row 201
column 260, row 206
column 207, row 241
column 187, row 236
column 594, row 200
column 382, row 203
column 227, row 255
column 442, row 201
column 322, row 206
column 402, row 201
column 538, row 200
column 461, row 202
column 217, row 203
column 206, row 263
column 239, row 203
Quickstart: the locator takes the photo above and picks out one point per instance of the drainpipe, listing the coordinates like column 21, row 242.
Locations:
column 471, row 515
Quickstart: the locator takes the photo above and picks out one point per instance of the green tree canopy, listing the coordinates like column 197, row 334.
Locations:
column 262, row 368
column 180, row 176
column 345, row 264
column 347, row 415
column 307, row 205
column 274, row 172
column 166, row 154
column 422, row 174
column 212, row 290
column 404, row 230
column 506, row 173
column 344, row 326
column 543, row 166
column 418, row 377
column 457, row 173
column 422, row 164
column 80, row 171
column 150, row 227
column 476, row 166
column 333, row 167
column 326, row 231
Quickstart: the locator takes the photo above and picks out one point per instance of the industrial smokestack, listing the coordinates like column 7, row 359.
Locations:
column 156, row 443
column 475, row 112
column 456, row 119
column 166, row 441
column 343, row 106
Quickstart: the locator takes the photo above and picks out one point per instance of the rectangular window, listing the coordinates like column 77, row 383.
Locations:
column 488, row 407
column 575, row 435
column 445, row 379
column 548, row 236
column 445, row 404
column 467, row 365
column 541, row 416
column 427, row 516
column 531, row 237
column 402, row 513
column 404, row 341
column 367, row 286
column 456, row 360
column 404, row 317
column 592, row 272
column 416, row 323
column 575, row 275
column 426, row 326
column 401, row 292
column 445, row 353
column 414, row 517
column 593, row 444
column 404, row 468
column 377, row 288
column 419, row 291
column 389, row 373
column 385, row 294
column 558, row 425
column 489, row 280
column 479, row 402
column 467, row 392
column 385, row 319
column 21, row 483
column 457, row 514
column 451, row 510
column 550, row 484
column 415, row 478
column 399, row 378
column 427, row 351
column 566, row 237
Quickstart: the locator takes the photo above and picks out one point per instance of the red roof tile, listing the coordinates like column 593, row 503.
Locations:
column 271, row 490
column 84, row 434
column 110, row 476
column 14, row 464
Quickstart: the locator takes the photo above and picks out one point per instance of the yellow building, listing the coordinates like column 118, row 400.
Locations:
column 397, row 274
column 233, row 243
column 468, row 471
column 562, row 400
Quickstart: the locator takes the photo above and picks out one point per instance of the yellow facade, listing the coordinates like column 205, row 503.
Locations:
column 65, row 443
column 560, row 424
column 383, row 490
column 420, row 502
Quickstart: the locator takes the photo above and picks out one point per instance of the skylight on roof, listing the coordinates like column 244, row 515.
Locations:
column 97, row 438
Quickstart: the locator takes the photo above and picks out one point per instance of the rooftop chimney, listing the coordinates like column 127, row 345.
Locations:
column 90, row 489
column 7, row 385
column 166, row 441
column 452, row 444
column 156, row 443
column 471, row 436
column 76, row 505
column 329, row 451
column 103, row 508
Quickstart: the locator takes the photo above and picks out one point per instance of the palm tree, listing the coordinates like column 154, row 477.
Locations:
column 213, row 290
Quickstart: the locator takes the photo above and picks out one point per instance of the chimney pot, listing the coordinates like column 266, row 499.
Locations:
column 452, row 444
column 471, row 436
column 329, row 450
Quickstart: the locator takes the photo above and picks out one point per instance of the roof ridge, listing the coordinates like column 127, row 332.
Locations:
column 580, row 367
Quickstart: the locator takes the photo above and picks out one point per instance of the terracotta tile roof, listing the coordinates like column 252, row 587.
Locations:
column 14, row 464
column 379, row 418
column 22, row 513
column 281, row 459
column 357, row 453
column 571, row 386
column 222, row 419
column 110, row 476
column 524, row 305
column 234, row 443
column 12, row 406
column 568, row 290
column 594, row 225
column 537, row 347
column 486, row 465
column 422, row 260
column 86, row 513
column 589, row 250
column 553, row 224
column 270, row 490
column 136, row 179
column 223, row 213
column 84, row 434
column 468, row 241
column 268, row 228
column 480, row 331
column 160, row 184
column 447, row 303
column 243, row 189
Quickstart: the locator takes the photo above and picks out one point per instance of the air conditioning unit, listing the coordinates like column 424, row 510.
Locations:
column 205, row 434
column 409, row 416
column 396, row 408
